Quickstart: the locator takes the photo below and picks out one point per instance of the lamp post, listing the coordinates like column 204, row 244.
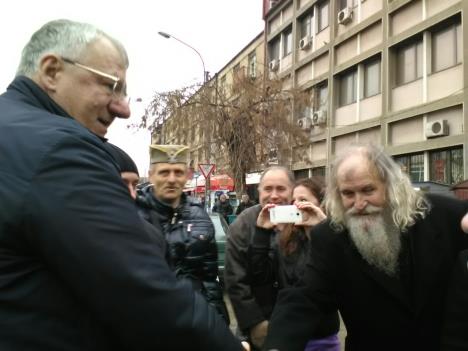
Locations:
column 168, row 36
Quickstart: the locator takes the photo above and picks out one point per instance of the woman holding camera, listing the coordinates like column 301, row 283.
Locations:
column 286, row 263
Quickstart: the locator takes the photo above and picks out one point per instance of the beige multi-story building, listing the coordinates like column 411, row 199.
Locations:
column 249, row 62
column 382, row 71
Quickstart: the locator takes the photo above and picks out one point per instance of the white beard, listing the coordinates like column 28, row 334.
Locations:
column 376, row 238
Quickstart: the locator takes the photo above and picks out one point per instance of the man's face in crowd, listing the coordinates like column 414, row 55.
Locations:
column 368, row 218
column 87, row 96
column 169, row 180
column 245, row 198
column 359, row 185
column 275, row 188
column 131, row 180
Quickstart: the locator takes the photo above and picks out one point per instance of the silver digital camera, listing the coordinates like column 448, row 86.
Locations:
column 285, row 214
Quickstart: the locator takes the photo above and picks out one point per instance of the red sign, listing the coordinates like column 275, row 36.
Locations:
column 206, row 168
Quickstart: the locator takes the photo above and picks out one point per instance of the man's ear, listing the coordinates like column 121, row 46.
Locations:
column 49, row 72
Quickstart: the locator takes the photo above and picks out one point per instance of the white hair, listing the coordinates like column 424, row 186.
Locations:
column 404, row 202
column 65, row 38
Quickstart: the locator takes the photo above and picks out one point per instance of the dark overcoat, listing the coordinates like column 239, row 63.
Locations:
column 380, row 313
column 455, row 330
column 78, row 271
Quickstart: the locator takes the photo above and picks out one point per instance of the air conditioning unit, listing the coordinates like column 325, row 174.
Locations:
column 345, row 16
column 319, row 117
column 437, row 128
column 305, row 42
column 274, row 65
column 304, row 123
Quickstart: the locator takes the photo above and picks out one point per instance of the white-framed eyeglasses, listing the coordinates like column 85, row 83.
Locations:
column 119, row 91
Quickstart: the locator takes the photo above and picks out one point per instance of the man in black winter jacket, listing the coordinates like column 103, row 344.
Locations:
column 189, row 232
column 223, row 207
column 130, row 176
column 78, row 271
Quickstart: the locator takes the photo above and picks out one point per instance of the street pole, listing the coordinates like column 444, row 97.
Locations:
column 205, row 79
column 168, row 36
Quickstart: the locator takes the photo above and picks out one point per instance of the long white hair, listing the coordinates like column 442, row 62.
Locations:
column 405, row 203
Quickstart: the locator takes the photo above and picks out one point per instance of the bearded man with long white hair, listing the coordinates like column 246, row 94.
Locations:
column 382, row 259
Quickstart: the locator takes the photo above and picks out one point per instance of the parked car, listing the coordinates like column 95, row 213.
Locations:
column 221, row 229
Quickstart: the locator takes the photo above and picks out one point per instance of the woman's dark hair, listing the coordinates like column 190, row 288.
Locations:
column 291, row 236
column 315, row 185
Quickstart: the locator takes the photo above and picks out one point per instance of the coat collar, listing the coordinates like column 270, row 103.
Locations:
column 27, row 91
column 160, row 206
column 422, row 237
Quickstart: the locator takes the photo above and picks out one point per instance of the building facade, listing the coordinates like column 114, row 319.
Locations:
column 382, row 71
column 197, row 132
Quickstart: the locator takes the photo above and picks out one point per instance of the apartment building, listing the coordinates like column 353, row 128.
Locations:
column 390, row 72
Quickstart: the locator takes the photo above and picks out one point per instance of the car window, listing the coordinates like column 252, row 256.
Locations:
column 219, row 225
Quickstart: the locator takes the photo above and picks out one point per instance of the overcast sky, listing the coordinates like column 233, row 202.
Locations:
column 218, row 29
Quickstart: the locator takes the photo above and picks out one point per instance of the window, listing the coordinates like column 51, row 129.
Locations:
column 348, row 87
column 238, row 71
column 320, row 97
column 274, row 49
column 318, row 172
column 323, row 15
column 222, row 84
column 409, row 62
column 253, row 64
column 238, row 74
column 287, row 42
column 413, row 165
column 446, row 47
column 305, row 26
column 372, row 78
column 301, row 174
column 346, row 3
column 446, row 166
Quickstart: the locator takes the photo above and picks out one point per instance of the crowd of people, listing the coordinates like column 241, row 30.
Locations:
column 88, row 262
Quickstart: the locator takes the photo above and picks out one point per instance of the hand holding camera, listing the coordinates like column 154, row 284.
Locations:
column 311, row 214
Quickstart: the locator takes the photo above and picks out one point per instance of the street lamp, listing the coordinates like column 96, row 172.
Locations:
column 168, row 36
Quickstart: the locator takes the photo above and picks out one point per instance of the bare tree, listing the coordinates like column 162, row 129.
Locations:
column 242, row 126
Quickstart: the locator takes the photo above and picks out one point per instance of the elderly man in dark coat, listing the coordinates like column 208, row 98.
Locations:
column 383, row 259
column 78, row 271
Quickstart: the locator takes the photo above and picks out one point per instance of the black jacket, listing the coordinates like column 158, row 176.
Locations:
column 454, row 332
column 190, row 238
column 252, row 298
column 270, row 265
column 77, row 269
column 223, row 208
column 244, row 205
column 380, row 312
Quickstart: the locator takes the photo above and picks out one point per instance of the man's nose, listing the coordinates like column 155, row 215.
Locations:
column 360, row 203
column 119, row 108
column 132, row 191
column 274, row 194
column 172, row 177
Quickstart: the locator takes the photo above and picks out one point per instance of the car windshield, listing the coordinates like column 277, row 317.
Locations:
column 220, row 225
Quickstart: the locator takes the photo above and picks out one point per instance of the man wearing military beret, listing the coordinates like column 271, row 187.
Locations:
column 188, row 230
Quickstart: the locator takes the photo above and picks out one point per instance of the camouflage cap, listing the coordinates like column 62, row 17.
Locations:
column 169, row 154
